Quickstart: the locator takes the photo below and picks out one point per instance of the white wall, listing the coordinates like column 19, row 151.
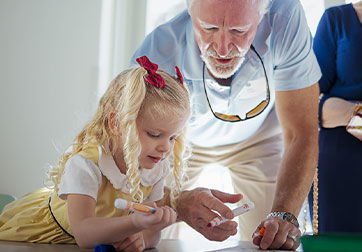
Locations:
column 57, row 57
column 48, row 82
column 330, row 3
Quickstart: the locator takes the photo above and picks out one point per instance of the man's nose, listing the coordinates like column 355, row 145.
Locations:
column 223, row 43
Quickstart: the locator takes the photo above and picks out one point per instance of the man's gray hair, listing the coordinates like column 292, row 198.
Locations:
column 263, row 6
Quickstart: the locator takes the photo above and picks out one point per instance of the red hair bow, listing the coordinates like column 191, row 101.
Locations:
column 179, row 75
column 153, row 78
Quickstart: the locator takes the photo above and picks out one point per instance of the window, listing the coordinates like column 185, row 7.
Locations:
column 313, row 11
column 156, row 15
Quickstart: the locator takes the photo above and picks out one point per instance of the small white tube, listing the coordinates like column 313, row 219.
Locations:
column 135, row 207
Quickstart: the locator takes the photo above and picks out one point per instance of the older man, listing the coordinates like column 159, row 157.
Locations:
column 252, row 77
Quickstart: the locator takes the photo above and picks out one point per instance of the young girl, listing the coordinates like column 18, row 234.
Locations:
column 122, row 153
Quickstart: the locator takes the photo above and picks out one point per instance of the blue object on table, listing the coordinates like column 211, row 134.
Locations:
column 104, row 248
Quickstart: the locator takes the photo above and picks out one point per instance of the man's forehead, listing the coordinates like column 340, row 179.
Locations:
column 236, row 27
column 231, row 13
column 225, row 4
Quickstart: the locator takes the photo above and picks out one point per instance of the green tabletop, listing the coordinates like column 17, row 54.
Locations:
column 333, row 242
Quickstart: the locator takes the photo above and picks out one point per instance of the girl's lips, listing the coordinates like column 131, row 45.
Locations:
column 154, row 159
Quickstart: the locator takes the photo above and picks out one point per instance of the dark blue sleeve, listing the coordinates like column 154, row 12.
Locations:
column 325, row 50
column 324, row 47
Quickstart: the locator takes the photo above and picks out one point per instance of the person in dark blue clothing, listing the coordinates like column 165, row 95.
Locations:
column 338, row 48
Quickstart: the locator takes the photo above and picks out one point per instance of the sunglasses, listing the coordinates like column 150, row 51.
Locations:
column 252, row 113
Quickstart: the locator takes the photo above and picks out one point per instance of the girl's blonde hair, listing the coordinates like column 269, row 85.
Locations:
column 128, row 96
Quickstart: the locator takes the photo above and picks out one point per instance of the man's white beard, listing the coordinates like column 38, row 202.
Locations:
column 222, row 71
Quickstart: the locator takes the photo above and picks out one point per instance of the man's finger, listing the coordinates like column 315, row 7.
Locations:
column 215, row 204
column 217, row 234
column 217, row 200
column 271, row 229
column 227, row 197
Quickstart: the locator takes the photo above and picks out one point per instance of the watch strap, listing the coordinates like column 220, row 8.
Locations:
column 285, row 216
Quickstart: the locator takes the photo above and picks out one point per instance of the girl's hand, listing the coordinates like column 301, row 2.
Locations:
column 132, row 243
column 163, row 217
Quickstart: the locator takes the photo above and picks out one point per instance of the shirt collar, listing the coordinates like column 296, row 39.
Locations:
column 148, row 177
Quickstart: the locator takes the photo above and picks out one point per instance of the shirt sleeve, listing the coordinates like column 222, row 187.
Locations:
column 81, row 176
column 295, row 65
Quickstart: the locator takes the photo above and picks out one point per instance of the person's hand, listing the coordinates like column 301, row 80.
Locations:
column 132, row 243
column 163, row 217
column 336, row 112
column 196, row 208
column 279, row 234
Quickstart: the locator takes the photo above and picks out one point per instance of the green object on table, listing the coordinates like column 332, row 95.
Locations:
column 332, row 242
column 4, row 200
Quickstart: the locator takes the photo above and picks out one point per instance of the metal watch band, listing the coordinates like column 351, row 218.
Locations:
column 285, row 216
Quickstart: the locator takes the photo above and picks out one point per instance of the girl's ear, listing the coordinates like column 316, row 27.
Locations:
column 112, row 122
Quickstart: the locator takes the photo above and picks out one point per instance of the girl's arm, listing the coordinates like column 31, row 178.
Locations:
column 151, row 238
column 89, row 230
column 140, row 241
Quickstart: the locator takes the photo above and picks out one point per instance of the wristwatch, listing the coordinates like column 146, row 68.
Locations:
column 285, row 216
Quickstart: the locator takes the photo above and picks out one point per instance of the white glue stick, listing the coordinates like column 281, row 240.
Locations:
column 135, row 207
column 246, row 207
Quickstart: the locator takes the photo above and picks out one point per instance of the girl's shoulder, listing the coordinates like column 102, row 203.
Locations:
column 91, row 152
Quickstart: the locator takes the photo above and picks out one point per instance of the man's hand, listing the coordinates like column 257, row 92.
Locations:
column 196, row 208
column 279, row 234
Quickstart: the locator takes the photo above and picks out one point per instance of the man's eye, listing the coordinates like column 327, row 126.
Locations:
column 238, row 31
column 211, row 29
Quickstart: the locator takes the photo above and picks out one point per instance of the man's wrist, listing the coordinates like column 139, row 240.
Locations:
column 285, row 216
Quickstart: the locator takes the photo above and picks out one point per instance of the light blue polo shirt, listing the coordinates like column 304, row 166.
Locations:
column 284, row 42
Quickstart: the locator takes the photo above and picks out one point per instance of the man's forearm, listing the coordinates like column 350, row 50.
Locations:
column 296, row 173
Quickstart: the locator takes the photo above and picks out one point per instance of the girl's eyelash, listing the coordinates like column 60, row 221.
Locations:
column 155, row 135
column 152, row 135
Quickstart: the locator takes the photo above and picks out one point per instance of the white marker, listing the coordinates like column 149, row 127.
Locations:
column 135, row 207
column 246, row 207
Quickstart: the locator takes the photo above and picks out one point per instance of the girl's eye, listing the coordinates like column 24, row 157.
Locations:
column 173, row 138
column 152, row 134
